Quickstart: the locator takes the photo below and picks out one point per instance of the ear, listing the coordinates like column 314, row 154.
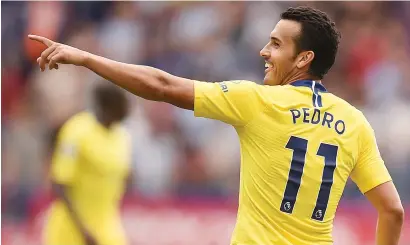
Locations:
column 305, row 58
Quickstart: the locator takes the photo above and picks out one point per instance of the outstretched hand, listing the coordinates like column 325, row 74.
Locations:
column 57, row 53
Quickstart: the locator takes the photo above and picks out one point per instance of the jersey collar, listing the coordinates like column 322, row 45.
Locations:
column 309, row 84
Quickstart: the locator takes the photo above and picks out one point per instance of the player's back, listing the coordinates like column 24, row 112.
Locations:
column 299, row 145
column 297, row 156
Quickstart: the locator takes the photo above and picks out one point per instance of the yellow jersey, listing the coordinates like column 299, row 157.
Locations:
column 299, row 145
column 93, row 162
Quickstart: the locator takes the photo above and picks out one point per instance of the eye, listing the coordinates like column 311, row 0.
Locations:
column 274, row 43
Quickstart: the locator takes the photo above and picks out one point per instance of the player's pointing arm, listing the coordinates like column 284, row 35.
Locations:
column 233, row 102
column 143, row 81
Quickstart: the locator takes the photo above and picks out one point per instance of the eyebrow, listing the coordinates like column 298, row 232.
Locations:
column 275, row 39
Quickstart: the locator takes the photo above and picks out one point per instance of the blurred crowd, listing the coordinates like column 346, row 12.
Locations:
column 174, row 153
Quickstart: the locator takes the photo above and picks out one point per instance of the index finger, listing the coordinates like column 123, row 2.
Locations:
column 41, row 39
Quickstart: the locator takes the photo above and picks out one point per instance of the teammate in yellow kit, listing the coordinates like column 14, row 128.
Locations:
column 299, row 142
column 89, row 171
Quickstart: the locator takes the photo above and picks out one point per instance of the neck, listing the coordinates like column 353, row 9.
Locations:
column 105, row 123
column 299, row 76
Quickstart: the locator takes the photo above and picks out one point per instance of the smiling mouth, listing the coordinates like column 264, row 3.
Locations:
column 268, row 67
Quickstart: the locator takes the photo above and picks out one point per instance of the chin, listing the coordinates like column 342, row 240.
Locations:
column 269, row 81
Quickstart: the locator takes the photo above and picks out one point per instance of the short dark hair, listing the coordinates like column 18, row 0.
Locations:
column 110, row 98
column 318, row 34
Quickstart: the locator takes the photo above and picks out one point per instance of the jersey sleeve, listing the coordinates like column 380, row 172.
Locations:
column 370, row 170
column 65, row 158
column 232, row 102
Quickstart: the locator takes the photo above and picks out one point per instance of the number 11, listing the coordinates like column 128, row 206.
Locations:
column 299, row 147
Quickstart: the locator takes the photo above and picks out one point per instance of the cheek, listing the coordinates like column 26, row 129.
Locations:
column 278, row 57
column 283, row 62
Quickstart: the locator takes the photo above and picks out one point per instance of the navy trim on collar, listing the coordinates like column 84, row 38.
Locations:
column 309, row 84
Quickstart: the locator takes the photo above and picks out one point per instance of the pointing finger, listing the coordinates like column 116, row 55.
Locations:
column 41, row 39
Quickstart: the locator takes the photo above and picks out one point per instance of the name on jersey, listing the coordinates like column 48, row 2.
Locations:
column 326, row 119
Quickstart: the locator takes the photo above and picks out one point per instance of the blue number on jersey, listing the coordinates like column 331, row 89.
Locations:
column 299, row 147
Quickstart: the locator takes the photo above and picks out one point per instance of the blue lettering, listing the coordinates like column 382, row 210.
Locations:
column 305, row 115
column 327, row 120
column 316, row 112
column 343, row 127
column 293, row 111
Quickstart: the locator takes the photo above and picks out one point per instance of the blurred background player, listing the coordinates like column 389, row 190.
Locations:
column 299, row 143
column 90, row 170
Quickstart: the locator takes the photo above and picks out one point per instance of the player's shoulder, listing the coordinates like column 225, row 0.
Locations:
column 244, row 85
column 251, row 86
column 344, row 105
column 243, row 88
column 351, row 114
column 277, row 94
column 77, row 125
column 265, row 93
column 81, row 118
column 122, row 131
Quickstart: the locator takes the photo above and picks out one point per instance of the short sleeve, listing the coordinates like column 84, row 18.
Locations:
column 232, row 102
column 65, row 158
column 370, row 170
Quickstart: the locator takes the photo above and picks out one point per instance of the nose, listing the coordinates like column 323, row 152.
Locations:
column 264, row 52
